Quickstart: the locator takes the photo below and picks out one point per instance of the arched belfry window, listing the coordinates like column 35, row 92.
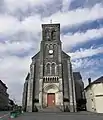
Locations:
column 55, row 46
column 53, row 65
column 50, row 46
column 53, row 34
column 48, row 69
column 47, row 34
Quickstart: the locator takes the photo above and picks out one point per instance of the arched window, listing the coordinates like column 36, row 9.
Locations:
column 48, row 69
column 50, row 46
column 48, row 34
column 53, row 34
column 53, row 69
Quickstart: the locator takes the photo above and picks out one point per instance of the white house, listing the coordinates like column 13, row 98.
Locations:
column 94, row 95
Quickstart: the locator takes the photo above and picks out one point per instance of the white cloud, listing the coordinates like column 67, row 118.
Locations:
column 13, row 71
column 86, row 63
column 88, row 68
column 70, row 40
column 32, row 23
column 14, row 5
column 65, row 5
column 8, row 24
column 77, row 16
column 82, row 53
column 15, row 47
column 13, row 67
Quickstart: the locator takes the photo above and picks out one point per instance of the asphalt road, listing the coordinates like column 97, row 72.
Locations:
column 57, row 116
column 3, row 112
column 4, row 115
column 60, row 116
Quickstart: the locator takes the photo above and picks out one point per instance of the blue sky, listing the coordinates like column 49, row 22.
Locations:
column 20, row 35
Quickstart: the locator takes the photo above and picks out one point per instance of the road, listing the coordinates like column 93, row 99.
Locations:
column 60, row 116
column 4, row 115
column 57, row 116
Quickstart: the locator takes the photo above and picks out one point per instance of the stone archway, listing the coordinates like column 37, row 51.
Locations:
column 50, row 95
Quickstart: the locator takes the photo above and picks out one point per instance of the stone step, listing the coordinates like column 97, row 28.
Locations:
column 50, row 109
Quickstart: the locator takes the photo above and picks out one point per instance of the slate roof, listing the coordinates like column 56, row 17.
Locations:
column 99, row 80
column 36, row 55
column 3, row 84
column 27, row 77
column 65, row 55
column 77, row 75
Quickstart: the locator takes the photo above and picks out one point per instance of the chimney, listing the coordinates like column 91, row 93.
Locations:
column 89, row 80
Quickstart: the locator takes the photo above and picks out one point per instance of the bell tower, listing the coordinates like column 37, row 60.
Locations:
column 51, row 32
column 51, row 49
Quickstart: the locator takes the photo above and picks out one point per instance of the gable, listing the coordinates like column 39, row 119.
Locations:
column 65, row 56
column 35, row 57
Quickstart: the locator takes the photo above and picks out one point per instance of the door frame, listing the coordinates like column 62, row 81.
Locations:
column 53, row 104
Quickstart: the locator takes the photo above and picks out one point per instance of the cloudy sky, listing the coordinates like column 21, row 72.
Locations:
column 20, row 35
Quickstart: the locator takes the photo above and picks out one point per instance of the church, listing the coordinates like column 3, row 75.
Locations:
column 50, row 82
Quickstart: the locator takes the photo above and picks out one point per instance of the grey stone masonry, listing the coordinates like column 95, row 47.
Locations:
column 51, row 81
column 71, row 89
column 30, row 90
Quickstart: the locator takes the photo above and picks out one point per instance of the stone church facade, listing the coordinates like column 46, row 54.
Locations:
column 50, row 82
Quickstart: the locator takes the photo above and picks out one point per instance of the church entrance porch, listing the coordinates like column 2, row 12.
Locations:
column 51, row 99
column 51, row 95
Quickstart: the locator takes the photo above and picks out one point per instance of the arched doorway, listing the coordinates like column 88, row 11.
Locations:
column 51, row 94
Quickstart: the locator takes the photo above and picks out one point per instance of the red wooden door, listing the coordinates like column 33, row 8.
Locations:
column 51, row 99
